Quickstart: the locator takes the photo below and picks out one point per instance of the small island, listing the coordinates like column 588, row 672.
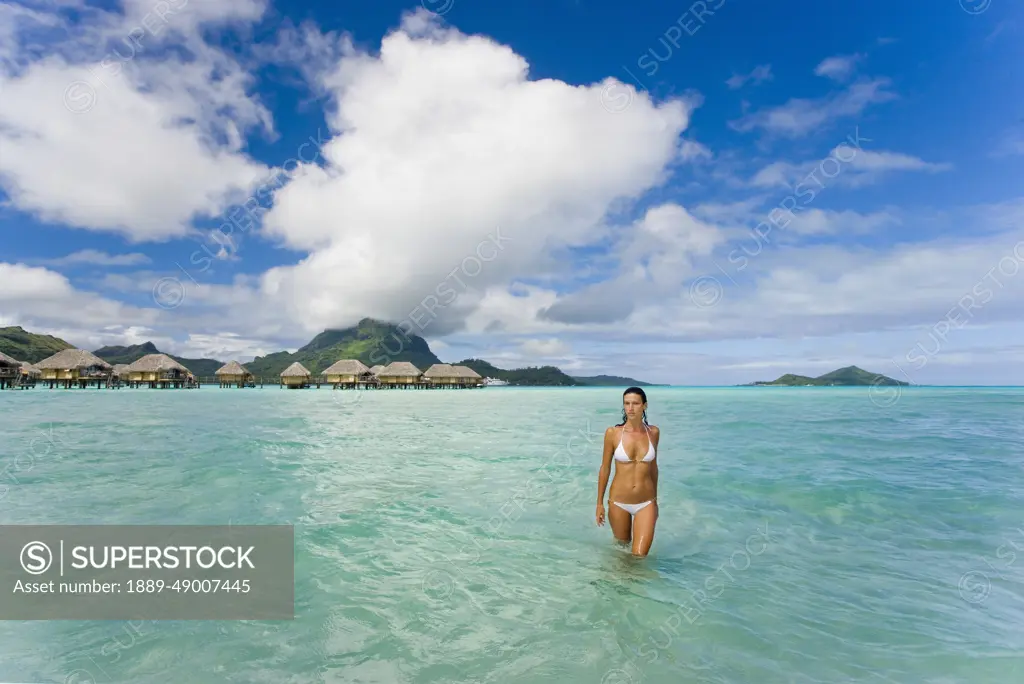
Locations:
column 850, row 376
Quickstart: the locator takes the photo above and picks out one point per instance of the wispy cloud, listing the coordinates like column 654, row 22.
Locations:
column 1011, row 144
column 824, row 222
column 97, row 258
column 1007, row 25
column 864, row 168
column 691, row 149
column 759, row 75
column 839, row 67
column 799, row 117
column 545, row 348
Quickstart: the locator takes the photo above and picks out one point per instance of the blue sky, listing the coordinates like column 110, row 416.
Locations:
column 711, row 194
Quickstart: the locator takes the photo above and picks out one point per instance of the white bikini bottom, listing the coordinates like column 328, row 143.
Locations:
column 633, row 509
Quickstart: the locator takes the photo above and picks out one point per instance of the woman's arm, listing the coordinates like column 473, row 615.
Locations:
column 605, row 472
column 606, row 465
column 656, row 438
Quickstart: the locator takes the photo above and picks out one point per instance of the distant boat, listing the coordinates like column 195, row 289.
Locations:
column 494, row 382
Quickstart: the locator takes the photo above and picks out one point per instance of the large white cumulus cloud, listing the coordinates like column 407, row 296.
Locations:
column 440, row 141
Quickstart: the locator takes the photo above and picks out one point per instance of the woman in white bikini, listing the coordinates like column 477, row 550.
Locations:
column 634, row 492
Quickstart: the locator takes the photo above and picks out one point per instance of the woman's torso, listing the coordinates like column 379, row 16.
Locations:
column 634, row 458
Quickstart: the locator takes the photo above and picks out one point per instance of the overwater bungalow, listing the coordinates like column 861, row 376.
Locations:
column 447, row 375
column 295, row 376
column 441, row 375
column 159, row 371
column 29, row 375
column 349, row 373
column 234, row 373
column 75, row 367
column 467, row 377
column 120, row 372
column 400, row 374
column 10, row 371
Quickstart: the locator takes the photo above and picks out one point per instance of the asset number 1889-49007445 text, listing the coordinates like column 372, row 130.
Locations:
column 195, row 586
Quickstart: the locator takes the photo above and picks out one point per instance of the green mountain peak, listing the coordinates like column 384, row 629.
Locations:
column 371, row 341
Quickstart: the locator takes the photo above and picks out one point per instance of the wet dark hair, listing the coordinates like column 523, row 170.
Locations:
column 643, row 397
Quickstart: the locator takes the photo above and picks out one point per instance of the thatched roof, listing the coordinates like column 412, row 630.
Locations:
column 377, row 369
column 296, row 370
column 70, row 359
column 440, row 370
column 465, row 372
column 121, row 369
column 6, row 360
column 232, row 368
column 30, row 369
column 399, row 368
column 155, row 363
column 347, row 367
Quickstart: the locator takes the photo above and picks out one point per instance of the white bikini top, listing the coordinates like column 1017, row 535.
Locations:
column 620, row 453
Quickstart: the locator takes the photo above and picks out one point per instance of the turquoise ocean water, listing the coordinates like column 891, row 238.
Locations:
column 806, row 534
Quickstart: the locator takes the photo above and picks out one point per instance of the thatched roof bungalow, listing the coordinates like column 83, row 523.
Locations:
column 74, row 364
column 467, row 376
column 377, row 369
column 348, row 372
column 30, row 370
column 10, row 370
column 233, row 372
column 295, row 375
column 9, row 366
column 400, row 373
column 441, row 374
column 154, row 368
